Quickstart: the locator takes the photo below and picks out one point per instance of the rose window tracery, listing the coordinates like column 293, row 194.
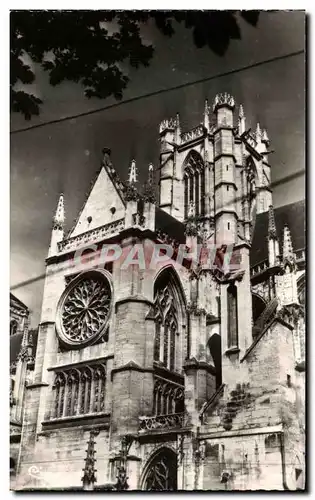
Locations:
column 84, row 309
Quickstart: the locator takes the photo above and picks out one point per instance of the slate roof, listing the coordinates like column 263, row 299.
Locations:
column 293, row 215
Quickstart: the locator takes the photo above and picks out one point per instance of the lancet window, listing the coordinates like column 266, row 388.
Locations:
column 166, row 327
column 79, row 391
column 194, row 184
column 232, row 316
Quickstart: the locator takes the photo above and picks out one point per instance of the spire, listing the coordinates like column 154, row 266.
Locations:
column 89, row 477
column 287, row 250
column 133, row 174
column 131, row 193
column 272, row 232
column 149, row 191
column 206, row 121
column 59, row 218
column 241, row 121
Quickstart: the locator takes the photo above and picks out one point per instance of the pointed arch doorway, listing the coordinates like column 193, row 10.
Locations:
column 161, row 473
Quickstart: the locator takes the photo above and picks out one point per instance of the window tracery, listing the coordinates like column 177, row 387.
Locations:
column 84, row 309
column 194, row 183
column 162, row 473
column 79, row 391
column 166, row 328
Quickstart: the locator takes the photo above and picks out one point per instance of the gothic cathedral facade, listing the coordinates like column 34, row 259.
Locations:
column 173, row 376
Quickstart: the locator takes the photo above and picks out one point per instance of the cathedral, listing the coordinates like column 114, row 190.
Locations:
column 168, row 373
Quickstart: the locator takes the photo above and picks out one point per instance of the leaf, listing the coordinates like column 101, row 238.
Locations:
column 250, row 16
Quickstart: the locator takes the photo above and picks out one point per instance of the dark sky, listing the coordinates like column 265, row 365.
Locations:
column 65, row 156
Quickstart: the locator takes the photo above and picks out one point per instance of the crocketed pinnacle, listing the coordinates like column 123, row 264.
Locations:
column 59, row 217
column 272, row 232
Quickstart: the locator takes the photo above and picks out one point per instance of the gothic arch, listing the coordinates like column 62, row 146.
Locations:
column 194, row 183
column 160, row 472
column 170, row 319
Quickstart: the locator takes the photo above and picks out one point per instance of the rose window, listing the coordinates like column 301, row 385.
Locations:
column 84, row 309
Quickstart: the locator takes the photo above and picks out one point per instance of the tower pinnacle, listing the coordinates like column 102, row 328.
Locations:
column 206, row 113
column 149, row 194
column 241, row 120
column 272, row 232
column 133, row 174
column 288, row 253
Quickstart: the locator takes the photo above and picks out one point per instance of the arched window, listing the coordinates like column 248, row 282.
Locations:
column 162, row 472
column 168, row 312
column 13, row 327
column 194, row 183
column 232, row 332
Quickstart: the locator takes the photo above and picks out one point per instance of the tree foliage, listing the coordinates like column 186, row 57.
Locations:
column 78, row 46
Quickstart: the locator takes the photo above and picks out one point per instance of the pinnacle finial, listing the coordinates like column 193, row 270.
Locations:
column 59, row 217
column 206, row 121
column 265, row 137
column 241, row 111
column 149, row 191
column 133, row 173
column 272, row 232
column 258, row 133
column 287, row 244
column 150, row 173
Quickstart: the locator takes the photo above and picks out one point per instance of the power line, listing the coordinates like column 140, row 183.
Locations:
column 161, row 91
column 284, row 180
